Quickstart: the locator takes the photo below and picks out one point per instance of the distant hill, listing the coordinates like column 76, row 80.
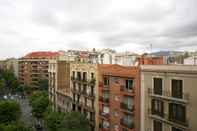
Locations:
column 167, row 53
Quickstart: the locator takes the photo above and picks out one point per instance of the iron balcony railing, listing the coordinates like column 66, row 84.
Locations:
column 168, row 95
column 103, row 114
column 123, row 88
column 127, row 107
column 166, row 117
column 127, row 123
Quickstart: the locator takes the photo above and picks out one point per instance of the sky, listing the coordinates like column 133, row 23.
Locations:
column 123, row 25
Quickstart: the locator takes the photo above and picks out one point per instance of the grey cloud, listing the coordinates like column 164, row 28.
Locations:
column 166, row 26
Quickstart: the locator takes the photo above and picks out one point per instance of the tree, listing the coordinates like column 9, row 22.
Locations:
column 18, row 126
column 43, row 85
column 9, row 111
column 10, row 81
column 75, row 121
column 2, row 84
column 39, row 102
column 54, row 121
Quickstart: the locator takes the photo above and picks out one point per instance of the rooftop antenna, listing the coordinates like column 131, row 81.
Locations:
column 151, row 48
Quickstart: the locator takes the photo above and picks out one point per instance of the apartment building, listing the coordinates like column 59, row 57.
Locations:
column 119, row 93
column 34, row 66
column 10, row 64
column 84, row 91
column 168, row 98
column 149, row 60
column 59, row 85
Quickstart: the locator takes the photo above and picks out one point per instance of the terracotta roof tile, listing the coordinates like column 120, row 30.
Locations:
column 42, row 54
column 117, row 70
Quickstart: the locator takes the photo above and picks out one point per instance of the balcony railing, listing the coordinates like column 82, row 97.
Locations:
column 90, row 95
column 127, row 124
column 127, row 107
column 168, row 119
column 181, row 122
column 123, row 88
column 153, row 112
column 168, row 95
column 103, row 114
column 92, row 81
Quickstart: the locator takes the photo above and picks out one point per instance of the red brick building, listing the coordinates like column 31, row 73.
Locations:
column 34, row 67
column 146, row 60
column 119, row 98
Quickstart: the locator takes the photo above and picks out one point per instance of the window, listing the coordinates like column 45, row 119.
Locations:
column 106, row 81
column 129, row 84
column 116, row 98
column 157, row 107
column 105, row 109
column 79, row 75
column 158, row 86
column 106, row 95
column 176, row 129
column 128, row 102
column 92, row 75
column 73, row 74
column 177, row 88
column 157, row 126
column 115, row 113
column 177, row 113
column 84, row 76
column 105, row 124
column 128, row 121
column 84, row 88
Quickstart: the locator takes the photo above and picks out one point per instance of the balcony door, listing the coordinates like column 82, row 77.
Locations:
column 157, row 86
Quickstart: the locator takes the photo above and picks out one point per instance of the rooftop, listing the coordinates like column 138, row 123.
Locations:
column 118, row 70
column 42, row 54
column 170, row 68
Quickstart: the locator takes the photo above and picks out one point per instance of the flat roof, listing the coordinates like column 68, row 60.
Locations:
column 170, row 68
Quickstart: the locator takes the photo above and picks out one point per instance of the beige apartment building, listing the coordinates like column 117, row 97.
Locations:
column 84, row 91
column 168, row 98
column 59, row 85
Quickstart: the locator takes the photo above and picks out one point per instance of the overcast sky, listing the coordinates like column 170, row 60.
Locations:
column 124, row 25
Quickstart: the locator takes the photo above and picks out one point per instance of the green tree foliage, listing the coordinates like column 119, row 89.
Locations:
column 2, row 84
column 9, row 111
column 14, row 127
column 39, row 102
column 73, row 121
column 53, row 121
column 10, row 81
column 43, row 85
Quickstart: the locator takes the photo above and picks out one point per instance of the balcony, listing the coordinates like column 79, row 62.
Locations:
column 124, row 89
column 75, row 78
column 167, row 119
column 103, row 114
column 90, row 95
column 180, row 122
column 153, row 112
column 126, row 107
column 127, row 124
column 104, row 100
column 104, row 127
column 168, row 96
column 92, row 81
